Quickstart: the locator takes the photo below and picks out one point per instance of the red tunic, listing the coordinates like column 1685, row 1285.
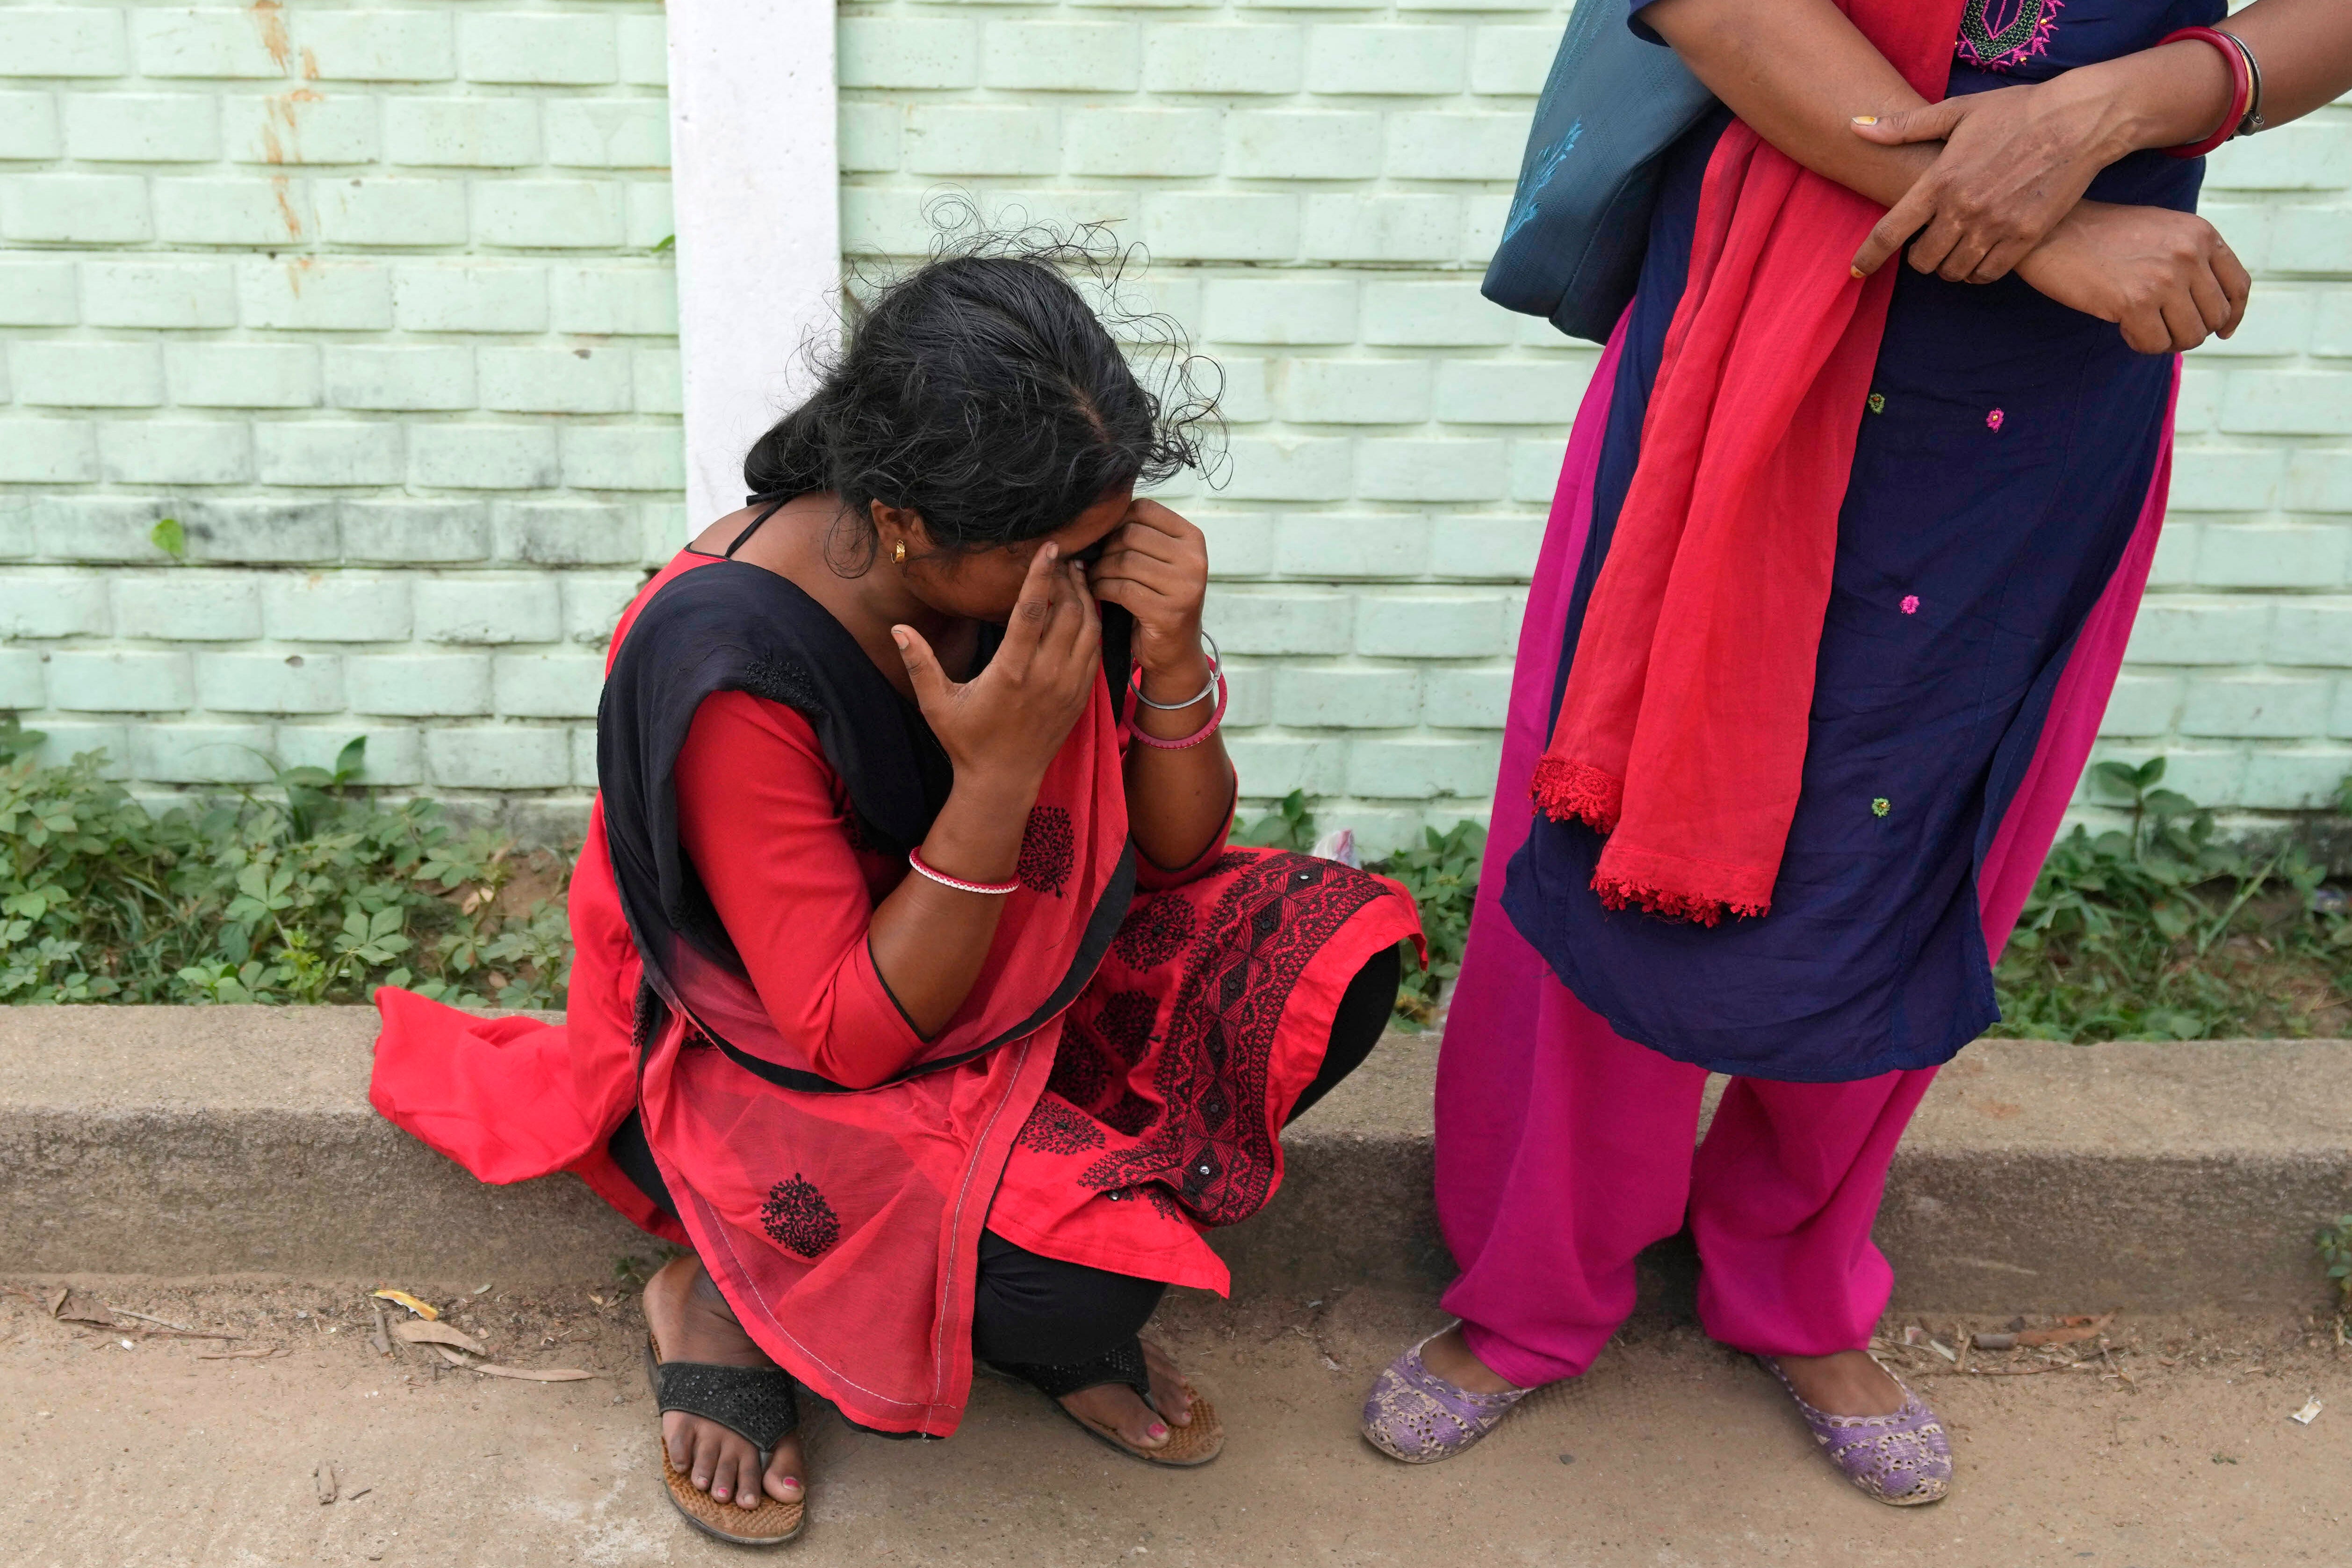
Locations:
column 843, row 1227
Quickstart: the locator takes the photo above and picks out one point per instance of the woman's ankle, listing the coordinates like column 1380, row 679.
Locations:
column 1845, row 1383
column 1449, row 1355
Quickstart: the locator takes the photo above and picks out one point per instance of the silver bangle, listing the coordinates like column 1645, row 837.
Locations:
column 1215, row 666
column 2251, row 120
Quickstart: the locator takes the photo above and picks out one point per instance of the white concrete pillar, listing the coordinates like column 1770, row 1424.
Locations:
column 757, row 187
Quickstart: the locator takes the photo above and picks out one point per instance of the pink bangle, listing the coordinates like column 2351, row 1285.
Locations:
column 995, row 890
column 1197, row 736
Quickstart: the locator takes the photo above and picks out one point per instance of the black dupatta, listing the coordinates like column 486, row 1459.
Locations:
column 733, row 626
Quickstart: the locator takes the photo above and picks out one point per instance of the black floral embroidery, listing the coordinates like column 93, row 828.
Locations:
column 798, row 1219
column 1049, row 849
column 1125, row 1023
column 1154, row 931
column 1055, row 1128
column 1131, row 1115
column 1080, row 1074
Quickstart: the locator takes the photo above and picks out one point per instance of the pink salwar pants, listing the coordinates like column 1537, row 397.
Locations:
column 1563, row 1150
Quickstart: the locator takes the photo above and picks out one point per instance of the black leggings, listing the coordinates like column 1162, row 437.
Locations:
column 1027, row 1307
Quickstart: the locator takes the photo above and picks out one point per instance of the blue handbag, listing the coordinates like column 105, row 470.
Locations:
column 1579, row 221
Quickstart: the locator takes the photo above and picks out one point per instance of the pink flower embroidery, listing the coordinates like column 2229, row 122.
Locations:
column 1910, row 603
column 1993, row 419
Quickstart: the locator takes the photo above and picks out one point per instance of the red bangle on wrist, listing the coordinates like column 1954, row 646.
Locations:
column 2242, row 86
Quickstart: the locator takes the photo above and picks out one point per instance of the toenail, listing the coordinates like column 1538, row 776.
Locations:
column 1158, row 1429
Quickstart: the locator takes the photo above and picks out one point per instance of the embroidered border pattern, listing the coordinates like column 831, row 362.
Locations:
column 1210, row 1149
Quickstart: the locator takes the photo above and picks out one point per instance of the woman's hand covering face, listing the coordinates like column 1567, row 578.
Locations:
column 1155, row 565
column 1007, row 722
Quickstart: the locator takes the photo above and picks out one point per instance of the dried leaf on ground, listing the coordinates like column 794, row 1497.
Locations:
column 76, row 1308
column 2068, row 1332
column 535, row 1373
column 529, row 1375
column 260, row 1352
column 380, row 1339
column 2309, row 1413
column 417, row 1334
column 1995, row 1342
column 424, row 1310
column 323, row 1478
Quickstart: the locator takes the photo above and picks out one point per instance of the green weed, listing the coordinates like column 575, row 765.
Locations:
column 309, row 891
column 2158, row 932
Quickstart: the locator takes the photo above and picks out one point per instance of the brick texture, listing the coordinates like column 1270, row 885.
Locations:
column 325, row 284
column 366, row 298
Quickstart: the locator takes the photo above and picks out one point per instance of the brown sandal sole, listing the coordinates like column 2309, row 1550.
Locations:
column 772, row 1523
column 1187, row 1446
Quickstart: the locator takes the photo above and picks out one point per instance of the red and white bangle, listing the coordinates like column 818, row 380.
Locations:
column 994, row 889
column 1217, row 717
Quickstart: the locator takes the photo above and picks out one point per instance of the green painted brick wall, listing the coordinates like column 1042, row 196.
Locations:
column 367, row 299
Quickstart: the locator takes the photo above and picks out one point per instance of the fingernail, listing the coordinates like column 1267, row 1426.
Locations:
column 1855, row 270
column 898, row 637
column 1865, row 120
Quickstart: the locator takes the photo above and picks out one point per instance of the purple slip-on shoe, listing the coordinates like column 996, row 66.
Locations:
column 1415, row 1415
column 1904, row 1459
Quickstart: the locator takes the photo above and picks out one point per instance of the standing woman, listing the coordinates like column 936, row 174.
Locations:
column 1837, row 581
column 917, row 991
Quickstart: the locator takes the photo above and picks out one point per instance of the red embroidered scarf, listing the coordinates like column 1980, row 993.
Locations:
column 1682, row 732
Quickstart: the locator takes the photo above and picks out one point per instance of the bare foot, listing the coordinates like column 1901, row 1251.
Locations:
column 1448, row 1355
column 1846, row 1383
column 1117, row 1406
column 691, row 1321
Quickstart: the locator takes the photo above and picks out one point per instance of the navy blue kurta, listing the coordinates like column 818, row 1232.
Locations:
column 2000, row 470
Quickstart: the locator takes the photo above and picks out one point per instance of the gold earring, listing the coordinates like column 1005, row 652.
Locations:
column 899, row 552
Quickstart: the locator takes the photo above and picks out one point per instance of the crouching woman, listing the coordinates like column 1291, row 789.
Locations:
column 917, row 990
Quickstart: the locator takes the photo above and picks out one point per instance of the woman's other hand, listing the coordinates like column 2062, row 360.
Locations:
column 2014, row 161
column 1005, row 724
column 1155, row 565
column 2167, row 278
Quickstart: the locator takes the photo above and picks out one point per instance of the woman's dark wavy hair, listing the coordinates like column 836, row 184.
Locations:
column 982, row 391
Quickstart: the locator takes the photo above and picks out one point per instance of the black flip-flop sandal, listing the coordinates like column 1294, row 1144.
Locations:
column 1197, row 1444
column 757, row 1404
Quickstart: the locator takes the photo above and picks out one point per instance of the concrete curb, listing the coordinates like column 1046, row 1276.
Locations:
column 2037, row 1177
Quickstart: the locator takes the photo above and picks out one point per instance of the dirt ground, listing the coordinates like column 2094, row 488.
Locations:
column 2170, row 1446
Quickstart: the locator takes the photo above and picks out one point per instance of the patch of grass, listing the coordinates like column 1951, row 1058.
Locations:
column 2159, row 932
column 307, row 891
